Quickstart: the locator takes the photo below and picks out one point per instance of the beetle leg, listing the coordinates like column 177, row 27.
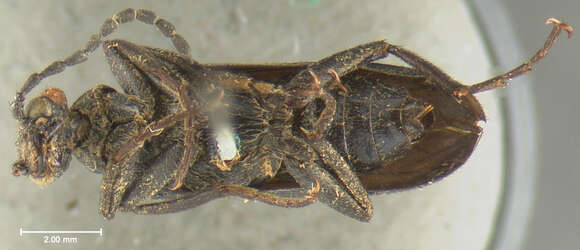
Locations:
column 191, row 153
column 95, row 113
column 106, row 120
column 264, row 163
column 503, row 80
column 174, row 201
column 344, row 175
column 124, row 114
column 340, row 187
column 168, row 201
column 331, row 193
column 121, row 169
column 324, row 121
column 337, row 80
column 129, row 147
column 339, row 64
column 160, row 171
column 269, row 198
column 117, row 178
column 328, row 71
column 438, row 76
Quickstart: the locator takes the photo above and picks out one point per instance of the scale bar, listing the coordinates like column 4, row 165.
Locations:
column 100, row 232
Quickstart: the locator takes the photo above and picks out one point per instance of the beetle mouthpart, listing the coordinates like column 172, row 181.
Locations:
column 43, row 181
column 19, row 168
column 41, row 176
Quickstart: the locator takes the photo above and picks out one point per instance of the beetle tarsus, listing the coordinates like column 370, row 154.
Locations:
column 503, row 80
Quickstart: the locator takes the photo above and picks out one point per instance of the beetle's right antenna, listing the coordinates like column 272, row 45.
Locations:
column 109, row 26
column 503, row 80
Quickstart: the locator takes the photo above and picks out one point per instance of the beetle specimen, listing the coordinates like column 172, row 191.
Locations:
column 183, row 133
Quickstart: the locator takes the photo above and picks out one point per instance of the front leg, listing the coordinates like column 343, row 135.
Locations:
column 108, row 119
column 117, row 177
column 126, row 121
column 158, row 168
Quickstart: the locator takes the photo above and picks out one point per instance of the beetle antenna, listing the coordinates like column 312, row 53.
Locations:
column 107, row 27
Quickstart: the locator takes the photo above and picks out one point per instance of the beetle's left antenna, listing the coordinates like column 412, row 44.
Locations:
column 108, row 27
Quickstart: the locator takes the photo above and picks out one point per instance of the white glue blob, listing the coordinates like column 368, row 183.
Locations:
column 226, row 143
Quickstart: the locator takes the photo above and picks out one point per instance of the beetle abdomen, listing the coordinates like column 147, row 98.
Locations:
column 377, row 123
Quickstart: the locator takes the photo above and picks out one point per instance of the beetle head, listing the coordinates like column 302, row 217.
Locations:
column 44, row 138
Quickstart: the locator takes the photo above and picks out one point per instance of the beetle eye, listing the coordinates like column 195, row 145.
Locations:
column 39, row 107
column 19, row 168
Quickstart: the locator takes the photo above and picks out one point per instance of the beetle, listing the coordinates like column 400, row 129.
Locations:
column 184, row 133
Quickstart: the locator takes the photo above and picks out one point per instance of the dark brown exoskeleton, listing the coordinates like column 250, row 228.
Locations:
column 183, row 133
